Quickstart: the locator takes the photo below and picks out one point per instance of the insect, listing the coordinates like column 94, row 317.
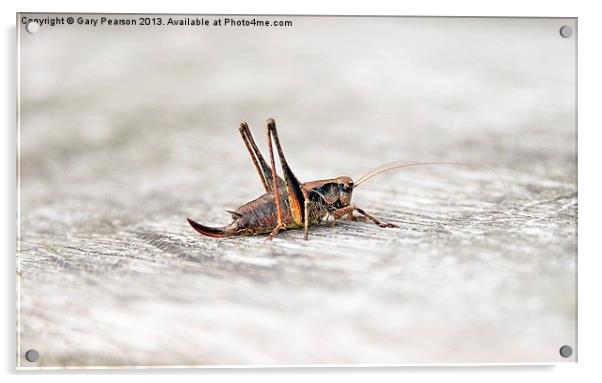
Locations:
column 290, row 204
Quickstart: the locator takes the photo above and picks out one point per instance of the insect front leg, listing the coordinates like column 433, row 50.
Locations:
column 351, row 208
column 374, row 219
column 352, row 217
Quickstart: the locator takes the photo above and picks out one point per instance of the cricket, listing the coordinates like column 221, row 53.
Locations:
column 290, row 204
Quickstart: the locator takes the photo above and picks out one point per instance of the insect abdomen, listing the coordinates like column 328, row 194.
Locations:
column 260, row 216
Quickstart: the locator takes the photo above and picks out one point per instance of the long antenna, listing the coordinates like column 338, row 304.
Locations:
column 399, row 165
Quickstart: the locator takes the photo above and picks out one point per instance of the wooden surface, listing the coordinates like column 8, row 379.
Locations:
column 125, row 134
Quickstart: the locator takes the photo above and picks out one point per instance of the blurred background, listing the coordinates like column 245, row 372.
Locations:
column 126, row 131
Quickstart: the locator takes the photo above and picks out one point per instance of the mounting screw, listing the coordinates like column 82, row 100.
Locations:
column 32, row 27
column 566, row 31
column 566, row 351
column 32, row 355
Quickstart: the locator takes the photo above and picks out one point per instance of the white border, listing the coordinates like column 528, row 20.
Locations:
column 18, row 245
column 589, row 195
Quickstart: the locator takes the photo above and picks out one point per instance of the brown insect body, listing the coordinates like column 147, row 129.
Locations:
column 292, row 204
column 260, row 215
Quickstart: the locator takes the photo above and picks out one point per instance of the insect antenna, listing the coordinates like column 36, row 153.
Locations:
column 399, row 165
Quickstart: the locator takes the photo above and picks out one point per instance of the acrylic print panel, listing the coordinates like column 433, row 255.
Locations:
column 129, row 124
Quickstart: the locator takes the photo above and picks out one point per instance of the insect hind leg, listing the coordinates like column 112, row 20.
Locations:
column 276, row 186
column 295, row 196
column 262, row 167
